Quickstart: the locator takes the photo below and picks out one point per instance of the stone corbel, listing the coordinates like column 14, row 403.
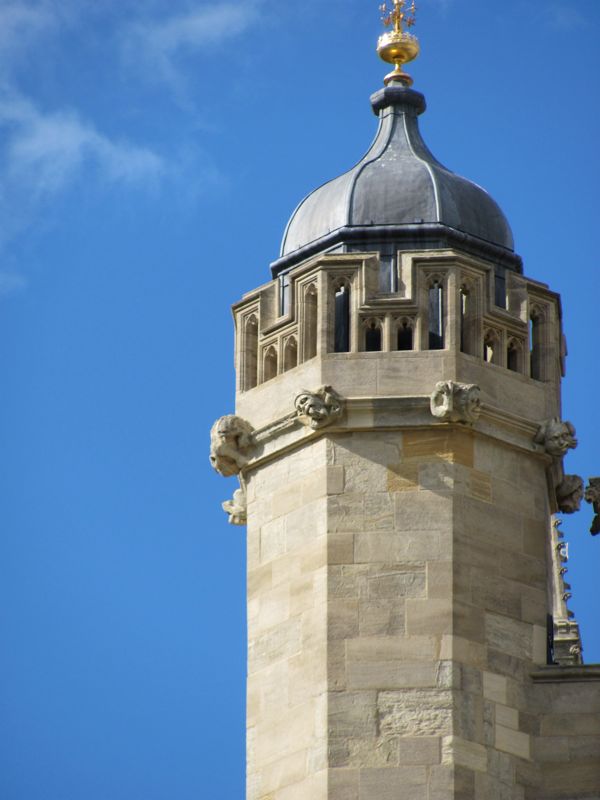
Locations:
column 232, row 444
column 556, row 437
column 319, row 409
column 456, row 402
column 592, row 496
column 569, row 494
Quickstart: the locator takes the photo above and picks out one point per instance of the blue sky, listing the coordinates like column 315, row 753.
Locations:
column 150, row 155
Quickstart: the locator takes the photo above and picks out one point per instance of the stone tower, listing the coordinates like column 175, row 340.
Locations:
column 399, row 443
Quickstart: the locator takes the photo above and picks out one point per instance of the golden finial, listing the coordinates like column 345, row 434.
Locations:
column 397, row 46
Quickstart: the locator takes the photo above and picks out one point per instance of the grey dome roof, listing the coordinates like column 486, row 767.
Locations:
column 397, row 183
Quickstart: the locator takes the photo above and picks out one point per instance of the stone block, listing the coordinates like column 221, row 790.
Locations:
column 340, row 548
column 343, row 784
column 462, row 753
column 428, row 617
column 393, row 783
column 507, row 717
column 272, row 540
column 445, row 444
column 479, row 486
column 509, row 636
column 422, row 511
column 393, row 648
column 495, row 687
column 314, row 786
column 551, row 749
column 342, row 619
column 415, row 712
column 353, row 714
column 463, row 651
column 381, row 618
column 425, row 751
column 468, row 622
column 570, row 724
column 274, row 645
column 402, row 477
column 439, row 580
column 513, row 742
column 495, row 593
column 390, row 675
column 283, row 772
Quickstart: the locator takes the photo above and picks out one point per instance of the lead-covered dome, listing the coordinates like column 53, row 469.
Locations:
column 398, row 190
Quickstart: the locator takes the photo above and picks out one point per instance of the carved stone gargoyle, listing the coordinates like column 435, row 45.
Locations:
column 237, row 507
column 569, row 494
column 592, row 495
column 456, row 402
column 557, row 437
column 318, row 409
column 231, row 446
column 231, row 443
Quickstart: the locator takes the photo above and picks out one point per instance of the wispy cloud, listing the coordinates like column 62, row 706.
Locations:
column 565, row 16
column 45, row 153
column 159, row 44
column 46, row 150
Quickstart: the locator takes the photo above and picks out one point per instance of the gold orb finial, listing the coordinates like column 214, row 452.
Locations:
column 398, row 46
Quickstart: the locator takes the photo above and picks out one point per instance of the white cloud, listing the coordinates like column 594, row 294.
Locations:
column 160, row 42
column 46, row 150
column 11, row 283
column 563, row 16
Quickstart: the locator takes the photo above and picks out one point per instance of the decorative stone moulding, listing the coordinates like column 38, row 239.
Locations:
column 456, row 402
column 592, row 495
column 557, row 437
column 569, row 494
column 231, row 445
column 318, row 409
column 237, row 507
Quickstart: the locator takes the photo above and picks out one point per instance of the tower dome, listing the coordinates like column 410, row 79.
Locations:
column 398, row 191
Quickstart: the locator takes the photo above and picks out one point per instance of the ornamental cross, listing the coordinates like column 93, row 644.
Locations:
column 398, row 16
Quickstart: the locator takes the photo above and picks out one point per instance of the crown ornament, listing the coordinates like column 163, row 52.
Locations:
column 397, row 46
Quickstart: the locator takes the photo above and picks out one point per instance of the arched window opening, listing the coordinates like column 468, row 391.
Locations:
column 342, row 320
column 250, row 354
column 270, row 364
column 513, row 357
column 536, row 342
column 489, row 348
column 290, row 354
column 436, row 316
column 373, row 337
column 310, row 322
column 405, row 336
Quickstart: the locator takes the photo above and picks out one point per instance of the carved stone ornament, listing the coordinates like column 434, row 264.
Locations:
column 569, row 494
column 592, row 495
column 557, row 437
column 318, row 409
column 456, row 402
column 231, row 444
column 237, row 507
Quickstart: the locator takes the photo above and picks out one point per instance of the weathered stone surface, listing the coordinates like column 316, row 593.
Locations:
column 320, row 408
column 569, row 494
column 556, row 437
column 456, row 402
column 231, row 443
column 592, row 495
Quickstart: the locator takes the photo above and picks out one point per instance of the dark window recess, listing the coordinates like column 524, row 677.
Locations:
column 535, row 355
column 512, row 358
column 405, row 337
column 284, row 295
column 436, row 317
column 373, row 338
column 550, row 640
column 500, row 290
column 342, row 320
column 464, row 311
